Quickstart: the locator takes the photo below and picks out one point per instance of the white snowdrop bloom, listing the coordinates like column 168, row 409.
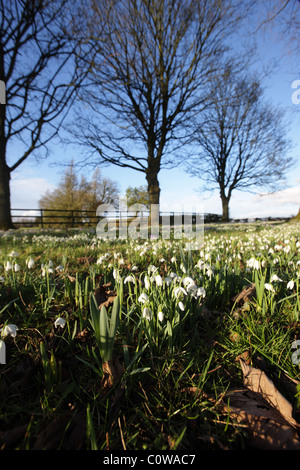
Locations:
column 201, row 292
column 187, row 281
column 182, row 268
column 253, row 263
column 60, row 322
column 290, row 285
column 173, row 259
column 167, row 280
column 158, row 280
column 174, row 275
column 16, row 267
column 30, row 263
column 9, row 330
column 275, row 278
column 14, row 254
column 129, row 279
column 147, row 313
column 143, row 298
column 152, row 269
column 287, row 249
column 269, row 287
column 178, row 290
column 160, row 316
column 134, row 268
column 181, row 306
column 2, row 279
column 115, row 273
column 8, row 266
column 209, row 272
column 192, row 289
column 59, row 268
column 147, row 282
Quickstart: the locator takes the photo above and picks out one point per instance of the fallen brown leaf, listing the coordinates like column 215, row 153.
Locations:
column 266, row 413
column 257, row 381
column 246, row 295
column 104, row 297
column 267, row 429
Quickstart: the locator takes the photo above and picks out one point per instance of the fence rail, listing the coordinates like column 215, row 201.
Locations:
column 76, row 218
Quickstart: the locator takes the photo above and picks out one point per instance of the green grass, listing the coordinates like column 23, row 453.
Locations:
column 170, row 373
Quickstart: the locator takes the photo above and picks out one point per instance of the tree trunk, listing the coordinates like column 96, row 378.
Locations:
column 5, row 216
column 154, row 196
column 225, row 207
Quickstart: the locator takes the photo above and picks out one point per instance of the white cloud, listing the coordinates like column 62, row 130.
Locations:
column 26, row 192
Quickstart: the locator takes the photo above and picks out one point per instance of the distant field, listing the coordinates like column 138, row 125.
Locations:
column 144, row 345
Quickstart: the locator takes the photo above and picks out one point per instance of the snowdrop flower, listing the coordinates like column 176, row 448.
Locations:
column 16, row 267
column 14, row 254
column 2, row 279
column 269, row 287
column 158, row 280
column 181, row 306
column 147, row 313
column 30, row 263
column 188, row 281
column 253, row 263
column 59, row 322
column 143, row 298
column 182, row 268
column 129, row 279
column 8, row 266
column 115, row 273
column 59, row 268
column 160, row 316
column 290, row 285
column 167, row 280
column 192, row 289
column 152, row 269
column 9, row 329
column 134, row 268
column 275, row 278
column 147, row 282
column 201, row 292
column 178, row 290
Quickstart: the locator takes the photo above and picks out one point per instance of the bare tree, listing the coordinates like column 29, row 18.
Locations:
column 241, row 139
column 148, row 77
column 38, row 64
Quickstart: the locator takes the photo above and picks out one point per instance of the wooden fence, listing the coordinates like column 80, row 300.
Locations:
column 73, row 218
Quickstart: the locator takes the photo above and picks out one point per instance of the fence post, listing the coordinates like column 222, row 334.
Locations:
column 42, row 225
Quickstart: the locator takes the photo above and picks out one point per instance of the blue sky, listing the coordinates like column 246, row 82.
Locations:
column 179, row 191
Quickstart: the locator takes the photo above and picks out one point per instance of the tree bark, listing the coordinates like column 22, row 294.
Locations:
column 154, row 197
column 225, row 208
column 5, row 216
